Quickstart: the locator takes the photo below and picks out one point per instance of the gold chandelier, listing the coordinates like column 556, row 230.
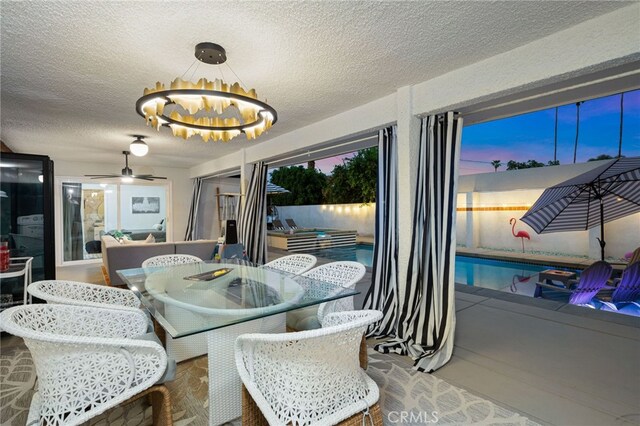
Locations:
column 186, row 107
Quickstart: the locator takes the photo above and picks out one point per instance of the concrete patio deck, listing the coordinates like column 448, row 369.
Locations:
column 552, row 362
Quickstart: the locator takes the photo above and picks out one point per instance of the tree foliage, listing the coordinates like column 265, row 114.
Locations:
column 355, row 180
column 305, row 185
column 601, row 157
column 496, row 164
column 516, row 165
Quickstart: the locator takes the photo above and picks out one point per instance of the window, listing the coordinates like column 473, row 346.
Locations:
column 87, row 210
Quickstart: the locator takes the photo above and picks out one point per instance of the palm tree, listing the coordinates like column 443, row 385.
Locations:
column 621, row 121
column 575, row 148
column 555, row 139
column 496, row 164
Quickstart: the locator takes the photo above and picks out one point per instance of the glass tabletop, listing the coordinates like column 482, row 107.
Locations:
column 197, row 297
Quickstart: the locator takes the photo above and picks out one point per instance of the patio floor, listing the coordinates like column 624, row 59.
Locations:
column 551, row 362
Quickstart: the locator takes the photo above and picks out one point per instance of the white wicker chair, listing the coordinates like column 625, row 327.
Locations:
column 309, row 377
column 345, row 274
column 85, row 294
column 294, row 264
column 86, row 358
column 170, row 260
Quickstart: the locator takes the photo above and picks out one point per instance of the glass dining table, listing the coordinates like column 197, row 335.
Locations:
column 224, row 300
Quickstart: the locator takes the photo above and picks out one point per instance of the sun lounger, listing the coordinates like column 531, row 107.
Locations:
column 291, row 224
column 592, row 280
column 628, row 289
column 277, row 225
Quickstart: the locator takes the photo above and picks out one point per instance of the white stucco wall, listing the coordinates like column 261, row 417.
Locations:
column 491, row 229
column 518, row 188
column 359, row 217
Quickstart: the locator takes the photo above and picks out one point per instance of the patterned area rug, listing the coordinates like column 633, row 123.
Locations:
column 407, row 397
column 411, row 397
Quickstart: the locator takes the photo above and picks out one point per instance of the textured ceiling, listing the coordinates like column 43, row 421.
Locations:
column 72, row 71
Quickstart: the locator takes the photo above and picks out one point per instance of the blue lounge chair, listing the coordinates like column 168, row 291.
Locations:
column 592, row 280
column 627, row 291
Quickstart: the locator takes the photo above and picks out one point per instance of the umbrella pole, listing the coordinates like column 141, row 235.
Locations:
column 601, row 239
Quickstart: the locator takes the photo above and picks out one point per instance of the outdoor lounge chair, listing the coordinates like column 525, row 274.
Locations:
column 277, row 225
column 627, row 291
column 291, row 224
column 592, row 280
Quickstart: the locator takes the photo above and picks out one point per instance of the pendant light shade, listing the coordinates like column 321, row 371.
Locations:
column 138, row 147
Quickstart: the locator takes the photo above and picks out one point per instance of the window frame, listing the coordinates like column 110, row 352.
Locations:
column 59, row 225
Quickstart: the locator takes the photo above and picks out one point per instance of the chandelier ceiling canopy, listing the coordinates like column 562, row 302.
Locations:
column 204, row 108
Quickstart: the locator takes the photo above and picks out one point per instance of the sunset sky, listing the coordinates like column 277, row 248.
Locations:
column 530, row 136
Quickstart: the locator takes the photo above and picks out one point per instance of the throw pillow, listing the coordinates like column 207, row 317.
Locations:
column 127, row 241
column 150, row 239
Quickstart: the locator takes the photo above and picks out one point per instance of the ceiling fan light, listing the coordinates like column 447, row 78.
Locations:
column 139, row 148
column 127, row 179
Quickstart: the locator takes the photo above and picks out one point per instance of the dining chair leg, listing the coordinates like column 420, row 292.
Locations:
column 161, row 406
column 364, row 357
column 251, row 414
column 160, row 400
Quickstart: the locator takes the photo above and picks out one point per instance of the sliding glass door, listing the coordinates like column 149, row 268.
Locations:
column 89, row 209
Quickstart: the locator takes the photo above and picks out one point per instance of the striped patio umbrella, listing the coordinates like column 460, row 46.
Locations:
column 272, row 188
column 606, row 193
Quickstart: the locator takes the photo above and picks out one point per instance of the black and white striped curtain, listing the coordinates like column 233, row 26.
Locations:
column 192, row 222
column 382, row 294
column 426, row 314
column 253, row 221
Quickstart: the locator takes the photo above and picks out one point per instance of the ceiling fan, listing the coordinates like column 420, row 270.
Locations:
column 127, row 174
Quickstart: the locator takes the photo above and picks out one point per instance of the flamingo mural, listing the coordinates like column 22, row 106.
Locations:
column 521, row 234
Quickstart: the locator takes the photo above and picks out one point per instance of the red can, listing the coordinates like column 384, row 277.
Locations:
column 4, row 256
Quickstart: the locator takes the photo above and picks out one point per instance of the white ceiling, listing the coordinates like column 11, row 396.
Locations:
column 72, row 71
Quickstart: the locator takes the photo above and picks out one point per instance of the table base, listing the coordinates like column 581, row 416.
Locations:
column 225, row 387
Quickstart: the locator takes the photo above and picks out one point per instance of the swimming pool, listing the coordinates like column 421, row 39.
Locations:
column 512, row 277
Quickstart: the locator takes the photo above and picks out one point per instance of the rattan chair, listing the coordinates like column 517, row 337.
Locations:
column 84, row 294
column 170, row 260
column 345, row 274
column 309, row 377
column 294, row 264
column 88, row 360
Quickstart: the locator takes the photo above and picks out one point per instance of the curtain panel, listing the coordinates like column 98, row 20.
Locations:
column 253, row 221
column 192, row 222
column 382, row 294
column 426, row 314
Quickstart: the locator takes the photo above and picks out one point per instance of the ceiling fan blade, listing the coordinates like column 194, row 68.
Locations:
column 149, row 177
column 102, row 176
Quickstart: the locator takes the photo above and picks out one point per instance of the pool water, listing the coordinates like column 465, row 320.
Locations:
column 512, row 277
